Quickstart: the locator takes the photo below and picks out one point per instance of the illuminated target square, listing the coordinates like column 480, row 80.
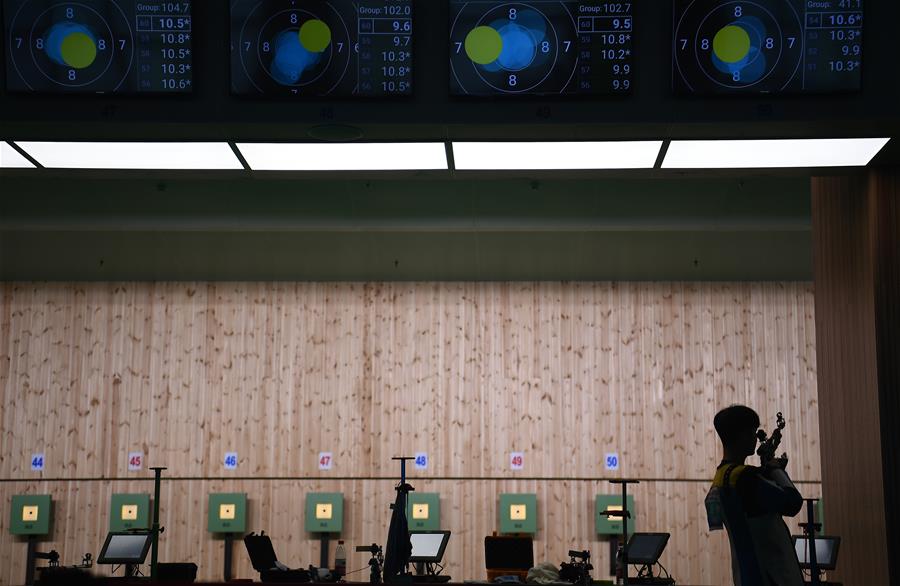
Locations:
column 518, row 512
column 226, row 512
column 420, row 511
column 129, row 512
column 30, row 514
column 323, row 511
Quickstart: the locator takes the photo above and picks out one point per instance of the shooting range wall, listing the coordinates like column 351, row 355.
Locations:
column 467, row 372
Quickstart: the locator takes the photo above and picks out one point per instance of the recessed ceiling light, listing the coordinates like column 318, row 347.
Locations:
column 759, row 154
column 535, row 156
column 10, row 158
column 344, row 156
column 133, row 155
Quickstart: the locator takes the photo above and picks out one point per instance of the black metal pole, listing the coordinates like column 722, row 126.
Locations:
column 155, row 531
column 323, row 557
column 811, row 542
column 625, row 517
column 626, row 514
column 29, row 567
column 229, row 538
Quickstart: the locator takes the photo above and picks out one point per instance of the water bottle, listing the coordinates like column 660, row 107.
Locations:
column 340, row 561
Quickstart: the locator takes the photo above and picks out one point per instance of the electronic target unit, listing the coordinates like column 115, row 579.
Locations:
column 31, row 514
column 540, row 47
column 324, row 512
column 98, row 46
column 129, row 512
column 321, row 48
column 612, row 525
column 227, row 513
column 518, row 513
column 423, row 511
column 767, row 46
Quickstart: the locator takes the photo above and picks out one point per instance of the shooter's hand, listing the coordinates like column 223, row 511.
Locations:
column 777, row 463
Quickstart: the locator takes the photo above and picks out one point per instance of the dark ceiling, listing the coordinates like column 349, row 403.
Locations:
column 411, row 228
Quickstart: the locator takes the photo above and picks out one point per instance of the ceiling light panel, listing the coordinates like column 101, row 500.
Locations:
column 537, row 156
column 134, row 155
column 344, row 156
column 10, row 158
column 761, row 154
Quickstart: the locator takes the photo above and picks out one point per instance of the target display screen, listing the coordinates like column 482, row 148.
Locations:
column 98, row 46
column 767, row 46
column 321, row 47
column 540, row 47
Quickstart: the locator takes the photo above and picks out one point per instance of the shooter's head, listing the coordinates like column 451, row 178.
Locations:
column 736, row 426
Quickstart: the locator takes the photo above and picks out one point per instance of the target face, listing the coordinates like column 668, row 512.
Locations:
column 98, row 46
column 760, row 46
column 320, row 47
column 539, row 47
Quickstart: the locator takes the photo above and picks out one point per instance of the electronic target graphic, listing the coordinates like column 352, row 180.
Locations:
column 767, row 46
column 321, row 47
column 98, row 46
column 539, row 47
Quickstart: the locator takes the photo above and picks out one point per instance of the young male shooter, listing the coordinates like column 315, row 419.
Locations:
column 752, row 501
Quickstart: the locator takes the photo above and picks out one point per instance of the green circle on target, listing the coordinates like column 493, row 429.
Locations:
column 483, row 45
column 731, row 44
column 315, row 36
column 78, row 50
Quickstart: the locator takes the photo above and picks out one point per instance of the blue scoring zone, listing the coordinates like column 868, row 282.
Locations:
column 291, row 58
column 525, row 42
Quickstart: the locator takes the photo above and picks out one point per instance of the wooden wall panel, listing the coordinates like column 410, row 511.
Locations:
column 467, row 372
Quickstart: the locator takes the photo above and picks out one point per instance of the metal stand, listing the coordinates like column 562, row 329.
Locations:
column 625, row 514
column 325, row 540
column 155, row 530
column 374, row 563
column 229, row 539
column 34, row 555
column 809, row 530
column 396, row 565
column 29, row 564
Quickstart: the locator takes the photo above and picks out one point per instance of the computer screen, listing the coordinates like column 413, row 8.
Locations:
column 540, row 47
column 767, row 46
column 428, row 546
column 645, row 548
column 125, row 548
column 98, row 46
column 826, row 551
column 321, row 48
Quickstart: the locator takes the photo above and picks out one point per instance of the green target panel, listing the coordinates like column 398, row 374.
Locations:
column 612, row 525
column 31, row 514
column 518, row 513
column 129, row 511
column 423, row 511
column 324, row 512
column 227, row 512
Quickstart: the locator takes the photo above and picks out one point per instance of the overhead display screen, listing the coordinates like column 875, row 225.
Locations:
column 321, row 48
column 98, row 46
column 540, row 47
column 767, row 46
